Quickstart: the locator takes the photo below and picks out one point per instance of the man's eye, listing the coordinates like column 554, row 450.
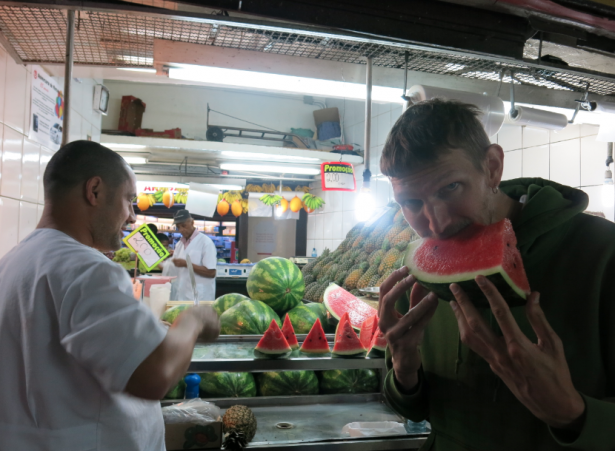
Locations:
column 451, row 187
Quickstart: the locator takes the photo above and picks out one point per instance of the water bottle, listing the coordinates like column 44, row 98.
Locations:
column 314, row 253
column 192, row 385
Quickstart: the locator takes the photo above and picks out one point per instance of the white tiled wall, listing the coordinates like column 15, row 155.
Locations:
column 571, row 156
column 23, row 162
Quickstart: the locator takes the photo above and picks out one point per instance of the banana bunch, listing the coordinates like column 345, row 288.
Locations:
column 158, row 195
column 268, row 188
column 269, row 199
column 254, row 188
column 312, row 202
column 286, row 188
column 244, row 205
column 181, row 196
column 304, row 189
column 232, row 196
column 152, row 199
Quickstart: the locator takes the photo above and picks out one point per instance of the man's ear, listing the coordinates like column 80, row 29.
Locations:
column 93, row 191
column 495, row 164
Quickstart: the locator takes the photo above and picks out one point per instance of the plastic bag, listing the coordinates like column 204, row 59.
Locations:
column 374, row 428
column 194, row 411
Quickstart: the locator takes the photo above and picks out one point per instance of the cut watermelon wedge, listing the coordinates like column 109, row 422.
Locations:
column 272, row 345
column 339, row 301
column 490, row 251
column 347, row 344
column 368, row 328
column 378, row 345
column 316, row 340
column 289, row 333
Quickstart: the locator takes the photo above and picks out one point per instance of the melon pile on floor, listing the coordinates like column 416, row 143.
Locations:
column 368, row 255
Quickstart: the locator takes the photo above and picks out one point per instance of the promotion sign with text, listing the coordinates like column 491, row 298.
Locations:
column 144, row 243
column 337, row 176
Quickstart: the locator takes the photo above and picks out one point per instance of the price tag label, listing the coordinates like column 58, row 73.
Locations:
column 337, row 176
column 143, row 242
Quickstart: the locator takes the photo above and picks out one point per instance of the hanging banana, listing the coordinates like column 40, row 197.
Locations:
column 312, row 202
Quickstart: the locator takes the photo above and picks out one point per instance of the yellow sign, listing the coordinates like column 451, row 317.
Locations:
column 144, row 243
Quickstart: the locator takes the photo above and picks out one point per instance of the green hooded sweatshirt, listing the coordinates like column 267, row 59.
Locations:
column 569, row 258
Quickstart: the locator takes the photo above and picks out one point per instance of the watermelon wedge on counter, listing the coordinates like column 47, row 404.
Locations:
column 347, row 344
column 490, row 251
column 316, row 340
column 339, row 301
column 368, row 329
column 378, row 345
column 272, row 345
column 289, row 333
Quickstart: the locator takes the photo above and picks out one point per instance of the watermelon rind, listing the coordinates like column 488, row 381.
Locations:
column 358, row 310
column 171, row 314
column 315, row 334
column 277, row 282
column 302, row 318
column 378, row 345
column 178, row 391
column 334, row 382
column 227, row 385
column 226, row 301
column 440, row 285
column 266, row 355
column 287, row 383
column 322, row 313
column 247, row 318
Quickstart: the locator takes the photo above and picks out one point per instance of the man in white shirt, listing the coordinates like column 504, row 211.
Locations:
column 203, row 255
column 83, row 362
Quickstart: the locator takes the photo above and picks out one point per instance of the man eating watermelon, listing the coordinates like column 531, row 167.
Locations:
column 539, row 376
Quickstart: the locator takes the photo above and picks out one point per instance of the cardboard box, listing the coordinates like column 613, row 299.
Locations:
column 193, row 436
column 131, row 114
column 325, row 115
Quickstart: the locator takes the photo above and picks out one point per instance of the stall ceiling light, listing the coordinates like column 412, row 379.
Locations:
column 264, row 156
column 124, row 146
column 138, row 69
column 134, row 160
column 227, row 187
column 281, row 83
column 280, row 169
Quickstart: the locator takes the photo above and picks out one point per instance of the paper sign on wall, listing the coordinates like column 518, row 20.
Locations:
column 143, row 242
column 337, row 176
column 47, row 110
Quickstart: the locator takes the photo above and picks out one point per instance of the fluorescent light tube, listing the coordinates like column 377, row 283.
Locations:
column 227, row 187
column 134, row 160
column 282, row 83
column 258, row 168
column 265, row 156
column 123, row 146
column 138, row 69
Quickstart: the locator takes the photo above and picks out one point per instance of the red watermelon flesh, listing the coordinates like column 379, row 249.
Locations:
column 316, row 340
column 490, row 251
column 368, row 328
column 272, row 343
column 347, row 344
column 339, row 301
column 289, row 333
column 379, row 342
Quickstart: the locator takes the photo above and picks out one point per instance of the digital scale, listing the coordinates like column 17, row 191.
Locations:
column 234, row 270
column 302, row 261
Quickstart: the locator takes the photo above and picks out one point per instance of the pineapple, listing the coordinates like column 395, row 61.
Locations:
column 340, row 277
column 386, row 245
column 326, row 252
column 321, row 292
column 392, row 259
column 354, row 232
column 355, row 292
column 345, row 245
column 367, row 276
column 385, row 221
column 384, row 277
column 308, row 279
column 346, row 265
column 374, row 280
column 406, row 235
column 239, row 420
column 332, row 271
column 399, row 217
column 378, row 254
column 394, row 231
column 307, row 269
column 310, row 290
column 362, row 257
column 371, row 244
column 318, row 267
column 351, row 281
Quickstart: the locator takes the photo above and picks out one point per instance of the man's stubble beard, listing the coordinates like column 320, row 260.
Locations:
column 107, row 235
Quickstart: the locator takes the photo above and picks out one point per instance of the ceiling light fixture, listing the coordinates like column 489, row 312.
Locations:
column 265, row 156
column 138, row 69
column 281, row 83
column 280, row 169
column 124, row 146
column 134, row 160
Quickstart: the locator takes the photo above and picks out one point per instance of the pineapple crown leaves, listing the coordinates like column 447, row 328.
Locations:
column 363, row 266
column 386, row 245
column 401, row 246
column 235, row 440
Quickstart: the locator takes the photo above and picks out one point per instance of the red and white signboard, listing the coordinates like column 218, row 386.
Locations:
column 337, row 176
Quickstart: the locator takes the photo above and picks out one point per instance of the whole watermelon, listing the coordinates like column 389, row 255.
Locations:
column 227, row 385
column 287, row 383
column 302, row 318
column 321, row 311
column 247, row 318
column 277, row 282
column 178, row 391
column 225, row 302
column 349, row 381
column 171, row 314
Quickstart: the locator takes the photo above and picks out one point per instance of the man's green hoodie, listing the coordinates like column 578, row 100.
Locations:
column 569, row 258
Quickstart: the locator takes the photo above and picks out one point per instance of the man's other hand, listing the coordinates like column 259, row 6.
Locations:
column 180, row 262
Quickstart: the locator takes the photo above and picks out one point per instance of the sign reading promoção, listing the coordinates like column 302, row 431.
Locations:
column 337, row 176
column 144, row 243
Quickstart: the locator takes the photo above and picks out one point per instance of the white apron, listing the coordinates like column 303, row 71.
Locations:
column 202, row 252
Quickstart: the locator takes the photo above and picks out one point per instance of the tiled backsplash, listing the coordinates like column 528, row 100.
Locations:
column 23, row 162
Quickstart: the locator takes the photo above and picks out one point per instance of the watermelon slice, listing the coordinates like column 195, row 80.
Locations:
column 368, row 328
column 490, row 251
column 272, row 345
column 347, row 344
column 378, row 345
column 338, row 301
column 289, row 333
column 316, row 340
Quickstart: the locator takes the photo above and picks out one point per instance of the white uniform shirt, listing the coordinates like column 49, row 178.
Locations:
column 202, row 251
column 71, row 335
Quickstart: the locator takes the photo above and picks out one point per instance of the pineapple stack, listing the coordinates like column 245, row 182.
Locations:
column 366, row 258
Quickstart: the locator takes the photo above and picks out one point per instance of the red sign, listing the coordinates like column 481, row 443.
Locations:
column 337, row 176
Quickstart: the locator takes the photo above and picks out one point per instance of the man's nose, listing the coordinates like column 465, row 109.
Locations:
column 439, row 218
column 132, row 217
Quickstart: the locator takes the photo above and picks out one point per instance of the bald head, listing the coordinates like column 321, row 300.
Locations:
column 77, row 162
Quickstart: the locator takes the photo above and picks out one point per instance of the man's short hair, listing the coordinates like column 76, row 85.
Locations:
column 79, row 161
column 162, row 237
column 430, row 128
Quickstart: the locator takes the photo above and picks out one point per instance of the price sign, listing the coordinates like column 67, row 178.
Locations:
column 337, row 176
column 144, row 243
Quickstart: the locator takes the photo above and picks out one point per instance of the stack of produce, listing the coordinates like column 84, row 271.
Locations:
column 368, row 255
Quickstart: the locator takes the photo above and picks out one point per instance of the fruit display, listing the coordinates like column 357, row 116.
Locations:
column 347, row 344
column 438, row 263
column 378, row 345
column 277, row 282
column 272, row 345
column 340, row 302
column 225, row 302
column 302, row 318
column 171, row 314
column 368, row 329
column 287, row 383
column 239, row 427
column 321, row 311
column 247, row 318
column 223, row 207
column 348, row 381
column 316, row 341
column 244, row 261
column 178, row 391
column 227, row 385
column 289, row 333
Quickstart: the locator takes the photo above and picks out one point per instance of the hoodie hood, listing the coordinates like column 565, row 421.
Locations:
column 549, row 205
